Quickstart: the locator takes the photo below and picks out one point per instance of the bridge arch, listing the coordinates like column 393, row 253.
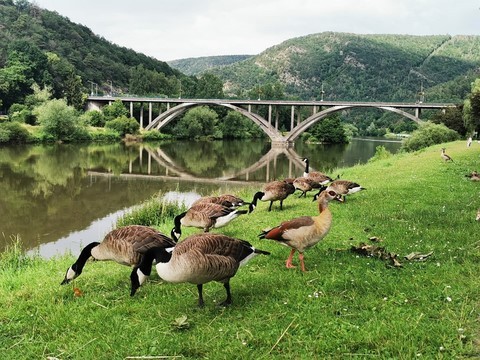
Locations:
column 166, row 117
column 311, row 120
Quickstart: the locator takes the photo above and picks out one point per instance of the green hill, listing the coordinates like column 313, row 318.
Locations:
column 43, row 46
column 362, row 67
column 196, row 66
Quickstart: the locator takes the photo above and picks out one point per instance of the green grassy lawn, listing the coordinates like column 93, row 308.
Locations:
column 346, row 306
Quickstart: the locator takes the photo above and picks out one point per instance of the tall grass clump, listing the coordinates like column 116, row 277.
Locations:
column 153, row 212
column 13, row 258
column 380, row 153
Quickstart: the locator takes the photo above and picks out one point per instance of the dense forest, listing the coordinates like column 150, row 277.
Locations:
column 44, row 54
column 43, row 47
column 199, row 65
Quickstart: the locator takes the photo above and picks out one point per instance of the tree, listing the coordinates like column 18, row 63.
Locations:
column 198, row 122
column 209, row 87
column 471, row 113
column 451, row 118
column 236, row 126
column 114, row 110
column 329, row 130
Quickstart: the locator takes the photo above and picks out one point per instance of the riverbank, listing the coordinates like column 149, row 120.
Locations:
column 346, row 306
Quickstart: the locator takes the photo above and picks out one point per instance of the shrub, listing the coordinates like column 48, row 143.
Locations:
column 13, row 132
column 123, row 125
column 154, row 135
column 60, row 121
column 429, row 134
column 114, row 110
column 94, row 118
column 105, row 136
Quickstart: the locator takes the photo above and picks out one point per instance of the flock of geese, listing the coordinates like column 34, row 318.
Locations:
column 206, row 257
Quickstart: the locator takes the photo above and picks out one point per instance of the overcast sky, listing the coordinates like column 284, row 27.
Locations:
column 177, row 29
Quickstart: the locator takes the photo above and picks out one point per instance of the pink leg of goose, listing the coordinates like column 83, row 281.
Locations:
column 289, row 264
column 302, row 264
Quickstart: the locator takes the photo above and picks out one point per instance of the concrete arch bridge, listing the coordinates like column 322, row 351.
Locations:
column 269, row 124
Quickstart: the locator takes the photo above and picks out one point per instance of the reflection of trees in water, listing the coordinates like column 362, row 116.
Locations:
column 213, row 159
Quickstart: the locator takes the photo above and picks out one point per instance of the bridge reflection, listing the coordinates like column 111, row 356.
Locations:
column 155, row 163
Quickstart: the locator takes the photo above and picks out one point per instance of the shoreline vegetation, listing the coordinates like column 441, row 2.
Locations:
column 417, row 209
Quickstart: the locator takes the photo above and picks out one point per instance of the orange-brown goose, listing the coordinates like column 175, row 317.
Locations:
column 273, row 191
column 205, row 216
column 124, row 245
column 445, row 156
column 198, row 259
column 303, row 232
column 317, row 176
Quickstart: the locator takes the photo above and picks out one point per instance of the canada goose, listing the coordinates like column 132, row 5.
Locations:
column 205, row 216
column 304, row 184
column 342, row 188
column 303, row 232
column 474, row 176
column 124, row 245
column 317, row 176
column 273, row 191
column 230, row 201
column 445, row 156
column 198, row 259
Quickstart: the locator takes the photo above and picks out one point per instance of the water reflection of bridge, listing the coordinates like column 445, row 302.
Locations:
column 175, row 172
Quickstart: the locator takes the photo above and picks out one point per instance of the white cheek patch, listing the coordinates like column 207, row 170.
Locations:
column 71, row 274
column 141, row 276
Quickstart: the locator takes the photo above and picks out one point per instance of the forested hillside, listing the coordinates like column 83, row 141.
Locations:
column 196, row 66
column 362, row 67
column 41, row 46
column 45, row 49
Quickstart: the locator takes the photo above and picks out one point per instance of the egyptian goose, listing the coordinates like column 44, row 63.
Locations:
column 445, row 156
column 198, row 259
column 303, row 232
column 273, row 191
column 205, row 216
column 124, row 245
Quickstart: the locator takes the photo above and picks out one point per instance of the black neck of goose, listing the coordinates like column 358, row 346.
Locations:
column 258, row 195
column 307, row 165
column 177, row 222
column 158, row 254
column 83, row 257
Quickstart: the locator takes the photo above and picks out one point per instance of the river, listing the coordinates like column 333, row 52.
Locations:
column 57, row 198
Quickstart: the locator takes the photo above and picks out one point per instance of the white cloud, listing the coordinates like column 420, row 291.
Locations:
column 170, row 30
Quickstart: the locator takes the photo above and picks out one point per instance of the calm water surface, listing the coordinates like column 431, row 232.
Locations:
column 58, row 198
